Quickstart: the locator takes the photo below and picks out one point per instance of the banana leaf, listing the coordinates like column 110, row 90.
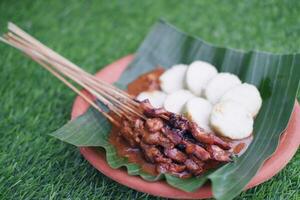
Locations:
column 275, row 75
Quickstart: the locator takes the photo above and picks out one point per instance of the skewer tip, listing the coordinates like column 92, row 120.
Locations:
column 2, row 39
column 11, row 25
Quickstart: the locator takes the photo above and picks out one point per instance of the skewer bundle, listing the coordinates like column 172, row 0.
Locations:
column 116, row 100
column 175, row 144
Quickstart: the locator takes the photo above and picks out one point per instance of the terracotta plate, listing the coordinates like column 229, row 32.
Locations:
column 288, row 146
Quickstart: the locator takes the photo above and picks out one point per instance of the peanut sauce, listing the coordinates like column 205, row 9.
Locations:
column 145, row 82
column 240, row 146
column 134, row 155
column 149, row 82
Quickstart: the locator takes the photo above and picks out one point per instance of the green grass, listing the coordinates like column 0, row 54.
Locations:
column 93, row 34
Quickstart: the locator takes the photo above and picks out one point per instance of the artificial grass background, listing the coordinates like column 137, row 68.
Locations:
column 93, row 34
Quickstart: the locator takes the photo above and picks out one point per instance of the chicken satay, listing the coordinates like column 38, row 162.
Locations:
column 207, row 138
column 193, row 167
column 186, row 145
column 218, row 154
column 154, row 124
column 129, row 134
column 156, row 138
column 170, row 168
column 175, row 154
column 153, row 154
column 196, row 150
column 179, row 122
column 172, row 135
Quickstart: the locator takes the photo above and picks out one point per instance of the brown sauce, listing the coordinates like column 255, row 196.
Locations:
column 149, row 82
column 240, row 146
column 145, row 82
column 133, row 155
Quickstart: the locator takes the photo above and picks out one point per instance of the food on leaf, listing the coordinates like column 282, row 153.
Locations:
column 171, row 137
column 173, row 79
column 197, row 76
column 231, row 119
column 219, row 85
column 173, row 143
column 165, row 139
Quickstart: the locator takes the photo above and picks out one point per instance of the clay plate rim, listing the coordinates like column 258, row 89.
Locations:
column 288, row 146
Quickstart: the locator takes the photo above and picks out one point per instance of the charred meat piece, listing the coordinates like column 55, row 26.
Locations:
column 199, row 162
column 181, row 147
column 153, row 154
column 175, row 154
column 138, row 124
column 218, row 154
column 207, row 138
column 129, row 135
column 173, row 143
column 193, row 167
column 172, row 135
column 157, row 139
column 170, row 167
column 153, row 138
column 196, row 150
column 154, row 124
column 179, row 122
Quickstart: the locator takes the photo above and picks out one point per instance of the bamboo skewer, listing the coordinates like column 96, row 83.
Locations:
column 66, row 82
column 75, row 77
column 128, row 103
column 38, row 44
column 105, row 101
column 115, row 99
